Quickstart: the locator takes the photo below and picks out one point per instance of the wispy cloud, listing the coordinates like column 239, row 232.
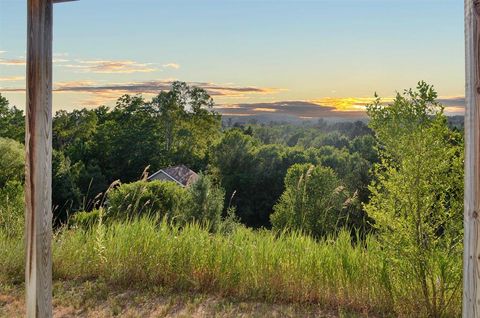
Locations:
column 154, row 87
column 171, row 65
column 110, row 66
column 299, row 109
column 351, row 107
column 12, row 78
column 451, row 103
column 102, row 93
column 13, row 62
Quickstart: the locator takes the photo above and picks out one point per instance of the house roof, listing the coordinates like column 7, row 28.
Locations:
column 180, row 174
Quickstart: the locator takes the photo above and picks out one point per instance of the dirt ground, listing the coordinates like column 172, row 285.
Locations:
column 97, row 300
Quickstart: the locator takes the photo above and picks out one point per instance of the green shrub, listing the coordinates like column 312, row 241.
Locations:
column 312, row 201
column 154, row 198
column 12, row 161
column 85, row 219
column 205, row 203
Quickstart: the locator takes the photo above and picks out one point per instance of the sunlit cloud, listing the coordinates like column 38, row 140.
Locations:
column 452, row 104
column 297, row 109
column 267, row 110
column 351, row 107
column 13, row 62
column 110, row 66
column 22, row 62
column 12, row 78
column 171, row 65
column 60, row 60
column 100, row 93
column 345, row 104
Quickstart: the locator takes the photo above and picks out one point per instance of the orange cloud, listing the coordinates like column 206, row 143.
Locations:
column 343, row 104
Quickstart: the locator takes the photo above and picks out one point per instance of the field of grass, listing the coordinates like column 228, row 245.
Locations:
column 244, row 265
column 97, row 299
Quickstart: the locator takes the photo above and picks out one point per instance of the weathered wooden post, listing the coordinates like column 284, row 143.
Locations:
column 471, row 257
column 38, row 144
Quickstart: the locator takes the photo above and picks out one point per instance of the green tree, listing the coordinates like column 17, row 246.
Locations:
column 188, row 125
column 417, row 198
column 12, row 161
column 206, row 203
column 313, row 201
column 12, row 121
column 233, row 161
column 66, row 195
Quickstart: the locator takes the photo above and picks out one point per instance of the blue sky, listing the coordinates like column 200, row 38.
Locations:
column 327, row 53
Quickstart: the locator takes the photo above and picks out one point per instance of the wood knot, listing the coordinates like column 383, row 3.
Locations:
column 475, row 214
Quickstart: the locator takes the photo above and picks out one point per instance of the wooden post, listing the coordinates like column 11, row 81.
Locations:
column 38, row 163
column 38, row 143
column 471, row 257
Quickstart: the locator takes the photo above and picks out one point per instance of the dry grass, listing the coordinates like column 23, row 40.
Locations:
column 94, row 299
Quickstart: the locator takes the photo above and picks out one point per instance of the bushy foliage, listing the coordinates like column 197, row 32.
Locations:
column 313, row 201
column 154, row 198
column 12, row 123
column 12, row 170
column 65, row 193
column 252, row 174
column 417, row 200
column 205, row 203
column 201, row 202
column 12, row 161
column 85, row 219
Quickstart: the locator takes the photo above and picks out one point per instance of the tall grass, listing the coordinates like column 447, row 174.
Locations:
column 288, row 267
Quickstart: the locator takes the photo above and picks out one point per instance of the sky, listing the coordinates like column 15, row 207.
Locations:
column 302, row 58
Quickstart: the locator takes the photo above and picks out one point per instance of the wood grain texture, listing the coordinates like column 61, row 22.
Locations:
column 38, row 143
column 471, row 258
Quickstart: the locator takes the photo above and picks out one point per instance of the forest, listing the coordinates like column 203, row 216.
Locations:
column 360, row 215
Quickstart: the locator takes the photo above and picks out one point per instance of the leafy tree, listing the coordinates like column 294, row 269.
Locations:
column 12, row 121
column 206, row 203
column 66, row 195
column 312, row 201
column 417, row 198
column 187, row 123
column 366, row 146
column 336, row 140
column 234, row 160
column 12, row 161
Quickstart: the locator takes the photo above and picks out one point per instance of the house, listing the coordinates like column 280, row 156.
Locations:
column 181, row 174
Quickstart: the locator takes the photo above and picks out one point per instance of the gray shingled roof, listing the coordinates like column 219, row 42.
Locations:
column 180, row 174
